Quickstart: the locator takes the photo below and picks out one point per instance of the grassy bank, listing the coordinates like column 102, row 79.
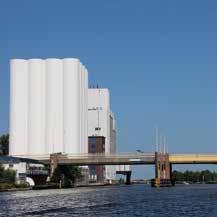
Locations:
column 13, row 187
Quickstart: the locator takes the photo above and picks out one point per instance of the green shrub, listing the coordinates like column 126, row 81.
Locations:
column 7, row 175
column 4, row 186
column 21, row 185
column 66, row 173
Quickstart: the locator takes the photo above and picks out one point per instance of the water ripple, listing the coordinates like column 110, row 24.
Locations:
column 126, row 201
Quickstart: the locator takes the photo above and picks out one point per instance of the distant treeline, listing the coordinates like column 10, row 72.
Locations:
column 4, row 144
column 198, row 176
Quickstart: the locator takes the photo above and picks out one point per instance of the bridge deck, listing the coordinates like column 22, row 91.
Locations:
column 193, row 158
column 127, row 159
column 108, row 159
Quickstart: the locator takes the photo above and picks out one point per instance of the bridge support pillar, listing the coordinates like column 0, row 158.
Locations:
column 128, row 178
column 53, row 163
column 127, row 174
column 163, row 170
column 171, row 175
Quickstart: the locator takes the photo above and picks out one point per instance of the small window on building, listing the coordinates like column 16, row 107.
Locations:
column 97, row 129
column 11, row 166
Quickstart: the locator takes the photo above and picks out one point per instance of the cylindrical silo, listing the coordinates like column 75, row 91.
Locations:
column 83, row 117
column 71, row 99
column 36, row 112
column 18, row 107
column 80, row 108
column 54, row 105
column 85, row 111
column 48, row 111
column 43, row 115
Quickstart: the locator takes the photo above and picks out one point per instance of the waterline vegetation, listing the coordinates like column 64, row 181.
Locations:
column 66, row 175
column 4, row 144
column 8, row 179
column 205, row 176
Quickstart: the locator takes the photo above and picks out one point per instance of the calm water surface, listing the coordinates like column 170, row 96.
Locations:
column 135, row 200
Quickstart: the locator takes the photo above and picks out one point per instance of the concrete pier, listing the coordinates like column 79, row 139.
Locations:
column 163, row 170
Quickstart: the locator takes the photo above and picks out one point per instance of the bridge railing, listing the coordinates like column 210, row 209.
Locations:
column 83, row 154
column 194, row 154
column 105, row 155
column 37, row 172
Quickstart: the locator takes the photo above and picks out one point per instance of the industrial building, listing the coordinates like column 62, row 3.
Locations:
column 53, row 111
column 101, row 123
column 48, row 107
column 26, row 170
column 96, row 144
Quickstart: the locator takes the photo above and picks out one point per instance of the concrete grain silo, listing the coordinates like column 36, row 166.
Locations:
column 48, row 107
column 86, row 110
column 71, row 106
column 18, row 107
column 81, row 93
column 54, row 106
column 36, row 108
column 82, row 108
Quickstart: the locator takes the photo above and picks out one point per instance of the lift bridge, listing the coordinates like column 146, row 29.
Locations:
column 162, row 161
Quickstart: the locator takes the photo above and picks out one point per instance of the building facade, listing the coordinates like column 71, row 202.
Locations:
column 96, row 145
column 101, row 123
column 27, row 171
column 48, row 107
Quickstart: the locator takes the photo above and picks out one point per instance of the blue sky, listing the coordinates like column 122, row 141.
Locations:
column 158, row 58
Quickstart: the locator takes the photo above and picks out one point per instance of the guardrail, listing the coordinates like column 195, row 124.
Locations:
column 37, row 172
column 88, row 156
column 193, row 158
column 139, row 155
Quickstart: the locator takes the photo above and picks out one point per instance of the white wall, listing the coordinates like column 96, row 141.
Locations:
column 123, row 168
column 48, row 107
column 71, row 111
column 36, row 110
column 99, row 117
column 99, row 97
column 85, row 110
column 54, row 106
column 17, row 167
column 18, row 107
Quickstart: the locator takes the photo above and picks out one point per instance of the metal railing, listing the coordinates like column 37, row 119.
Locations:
column 37, row 172
column 194, row 154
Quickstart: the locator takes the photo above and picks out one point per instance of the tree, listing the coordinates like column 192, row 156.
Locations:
column 7, row 175
column 190, row 176
column 56, row 175
column 4, row 144
column 1, row 172
column 67, row 173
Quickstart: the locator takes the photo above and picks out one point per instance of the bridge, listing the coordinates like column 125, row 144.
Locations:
column 193, row 158
column 126, row 159
column 103, row 159
column 163, row 161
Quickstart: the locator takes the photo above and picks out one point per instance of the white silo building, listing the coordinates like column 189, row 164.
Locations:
column 48, row 107
column 101, row 123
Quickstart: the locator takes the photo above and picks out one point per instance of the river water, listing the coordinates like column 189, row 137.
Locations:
column 134, row 200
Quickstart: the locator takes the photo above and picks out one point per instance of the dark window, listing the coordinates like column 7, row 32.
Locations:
column 92, row 140
column 97, row 128
column 93, row 146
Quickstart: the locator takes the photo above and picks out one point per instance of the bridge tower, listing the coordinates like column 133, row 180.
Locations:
column 163, row 170
column 54, row 162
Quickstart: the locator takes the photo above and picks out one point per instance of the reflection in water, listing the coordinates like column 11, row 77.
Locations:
column 135, row 200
